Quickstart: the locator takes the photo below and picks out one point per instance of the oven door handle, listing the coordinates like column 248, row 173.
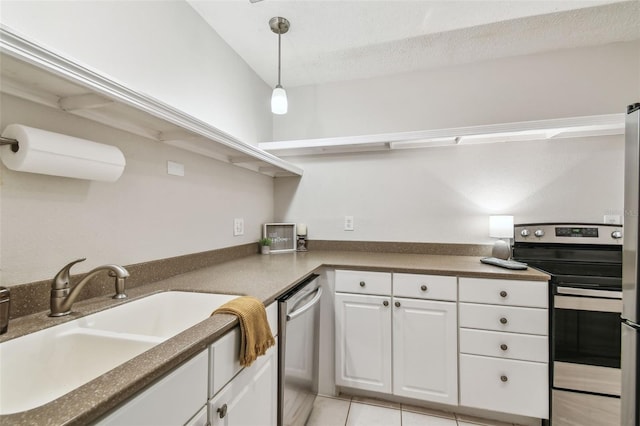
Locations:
column 592, row 304
column 577, row 291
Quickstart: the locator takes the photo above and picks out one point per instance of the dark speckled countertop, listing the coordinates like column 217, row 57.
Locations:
column 264, row 277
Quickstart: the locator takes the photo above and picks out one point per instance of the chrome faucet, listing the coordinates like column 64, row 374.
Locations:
column 63, row 294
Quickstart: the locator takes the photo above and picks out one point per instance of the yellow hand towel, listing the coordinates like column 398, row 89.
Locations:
column 254, row 327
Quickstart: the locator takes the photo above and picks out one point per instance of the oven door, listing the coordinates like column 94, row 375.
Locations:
column 586, row 341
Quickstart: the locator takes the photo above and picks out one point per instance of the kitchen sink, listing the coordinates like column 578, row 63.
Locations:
column 42, row 366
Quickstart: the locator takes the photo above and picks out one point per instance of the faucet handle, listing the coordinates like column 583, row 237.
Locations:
column 62, row 279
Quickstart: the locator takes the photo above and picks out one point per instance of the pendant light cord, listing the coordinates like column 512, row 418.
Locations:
column 279, row 36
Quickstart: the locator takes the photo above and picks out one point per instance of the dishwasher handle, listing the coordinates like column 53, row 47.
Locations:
column 307, row 306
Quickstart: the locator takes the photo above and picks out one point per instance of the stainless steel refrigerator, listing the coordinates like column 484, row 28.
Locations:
column 630, row 270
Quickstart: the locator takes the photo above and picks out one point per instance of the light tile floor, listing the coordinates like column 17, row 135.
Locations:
column 359, row 411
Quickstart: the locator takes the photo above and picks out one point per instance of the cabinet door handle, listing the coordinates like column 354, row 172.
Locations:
column 362, row 283
column 222, row 411
column 385, row 303
column 504, row 347
column 503, row 320
column 397, row 304
column 504, row 378
column 503, row 293
column 423, row 287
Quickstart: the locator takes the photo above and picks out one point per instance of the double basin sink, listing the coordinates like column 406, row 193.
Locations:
column 42, row 366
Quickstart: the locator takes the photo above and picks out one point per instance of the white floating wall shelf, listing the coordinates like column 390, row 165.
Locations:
column 31, row 72
column 595, row 125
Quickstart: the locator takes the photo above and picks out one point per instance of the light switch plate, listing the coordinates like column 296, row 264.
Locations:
column 238, row 227
column 348, row 223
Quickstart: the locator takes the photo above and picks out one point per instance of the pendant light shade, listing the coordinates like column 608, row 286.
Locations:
column 279, row 103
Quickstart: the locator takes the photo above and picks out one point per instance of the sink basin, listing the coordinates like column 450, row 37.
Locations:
column 42, row 366
column 161, row 315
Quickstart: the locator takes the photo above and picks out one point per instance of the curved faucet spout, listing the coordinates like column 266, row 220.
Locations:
column 63, row 295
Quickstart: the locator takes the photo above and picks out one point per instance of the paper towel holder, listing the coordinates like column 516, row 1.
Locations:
column 8, row 141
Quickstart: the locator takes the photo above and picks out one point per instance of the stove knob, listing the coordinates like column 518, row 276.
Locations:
column 616, row 235
column 539, row 233
column 525, row 233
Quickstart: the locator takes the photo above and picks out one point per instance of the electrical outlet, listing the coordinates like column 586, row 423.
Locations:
column 238, row 227
column 348, row 223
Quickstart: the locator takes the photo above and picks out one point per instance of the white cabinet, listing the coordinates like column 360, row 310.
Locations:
column 425, row 350
column 363, row 341
column 420, row 361
column 504, row 346
column 251, row 397
column 172, row 401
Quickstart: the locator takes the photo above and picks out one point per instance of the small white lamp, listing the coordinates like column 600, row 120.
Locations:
column 501, row 227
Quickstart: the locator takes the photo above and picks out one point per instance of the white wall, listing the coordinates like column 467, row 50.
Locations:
column 567, row 83
column 47, row 221
column 161, row 48
column 446, row 194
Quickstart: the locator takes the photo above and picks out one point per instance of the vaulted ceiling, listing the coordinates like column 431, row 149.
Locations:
column 337, row 40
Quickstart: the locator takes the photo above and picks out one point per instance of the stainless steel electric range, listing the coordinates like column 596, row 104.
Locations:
column 585, row 264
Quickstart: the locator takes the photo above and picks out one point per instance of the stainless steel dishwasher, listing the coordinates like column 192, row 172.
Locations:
column 298, row 330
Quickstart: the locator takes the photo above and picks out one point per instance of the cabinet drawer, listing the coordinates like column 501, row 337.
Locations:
column 504, row 318
column 517, row 387
column 504, row 292
column 363, row 282
column 434, row 287
column 524, row 347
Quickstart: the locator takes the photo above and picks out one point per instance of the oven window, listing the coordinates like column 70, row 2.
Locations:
column 587, row 337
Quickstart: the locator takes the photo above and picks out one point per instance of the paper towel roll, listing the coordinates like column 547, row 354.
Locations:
column 54, row 154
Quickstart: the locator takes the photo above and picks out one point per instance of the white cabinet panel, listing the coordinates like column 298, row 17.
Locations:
column 363, row 282
column 432, row 287
column 200, row 419
column 504, row 318
column 425, row 350
column 172, row 401
column 363, row 342
column 250, row 399
column 509, row 386
column 504, row 292
column 526, row 347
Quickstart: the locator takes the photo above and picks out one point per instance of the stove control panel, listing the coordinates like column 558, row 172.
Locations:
column 568, row 233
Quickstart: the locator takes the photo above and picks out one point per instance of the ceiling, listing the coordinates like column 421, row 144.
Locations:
column 338, row 40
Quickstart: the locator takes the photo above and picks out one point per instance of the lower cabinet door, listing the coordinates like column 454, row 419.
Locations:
column 509, row 386
column 425, row 348
column 251, row 397
column 363, row 342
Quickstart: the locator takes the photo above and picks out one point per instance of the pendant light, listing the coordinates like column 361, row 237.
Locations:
column 279, row 104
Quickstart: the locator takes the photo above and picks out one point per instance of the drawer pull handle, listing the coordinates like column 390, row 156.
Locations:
column 222, row 411
column 503, row 320
column 362, row 283
column 504, row 347
column 423, row 287
column 504, row 378
column 503, row 293
column 397, row 304
column 385, row 303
